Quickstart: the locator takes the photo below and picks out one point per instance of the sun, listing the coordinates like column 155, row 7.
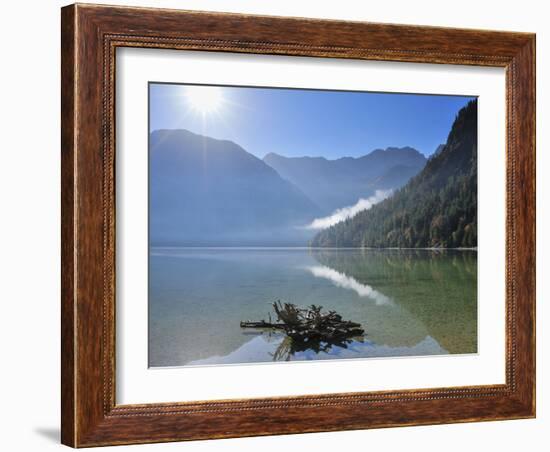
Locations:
column 204, row 99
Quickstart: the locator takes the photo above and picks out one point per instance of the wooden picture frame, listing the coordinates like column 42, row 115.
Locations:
column 90, row 36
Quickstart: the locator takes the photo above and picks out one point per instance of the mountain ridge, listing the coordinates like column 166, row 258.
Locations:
column 209, row 192
column 333, row 184
column 376, row 151
column 436, row 208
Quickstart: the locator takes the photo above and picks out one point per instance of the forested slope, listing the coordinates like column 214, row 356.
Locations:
column 436, row 208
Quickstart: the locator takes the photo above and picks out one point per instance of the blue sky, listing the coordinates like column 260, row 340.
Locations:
column 295, row 122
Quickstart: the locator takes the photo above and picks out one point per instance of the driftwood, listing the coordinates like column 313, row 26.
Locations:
column 309, row 325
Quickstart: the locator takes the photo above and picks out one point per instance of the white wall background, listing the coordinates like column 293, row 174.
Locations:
column 29, row 226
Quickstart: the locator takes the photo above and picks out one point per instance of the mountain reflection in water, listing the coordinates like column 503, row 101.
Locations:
column 409, row 302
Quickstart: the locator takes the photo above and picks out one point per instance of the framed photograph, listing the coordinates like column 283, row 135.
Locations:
column 282, row 225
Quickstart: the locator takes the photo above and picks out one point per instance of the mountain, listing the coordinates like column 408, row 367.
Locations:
column 437, row 208
column 438, row 150
column 333, row 184
column 208, row 192
column 394, row 177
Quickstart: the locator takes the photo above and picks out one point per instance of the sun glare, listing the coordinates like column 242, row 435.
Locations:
column 204, row 99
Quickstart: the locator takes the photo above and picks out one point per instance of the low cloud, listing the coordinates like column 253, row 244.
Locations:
column 348, row 212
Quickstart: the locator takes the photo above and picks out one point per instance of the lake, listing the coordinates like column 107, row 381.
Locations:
column 409, row 302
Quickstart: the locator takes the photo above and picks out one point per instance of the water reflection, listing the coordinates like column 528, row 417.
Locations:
column 288, row 347
column 436, row 287
column 424, row 302
column 348, row 282
column 256, row 349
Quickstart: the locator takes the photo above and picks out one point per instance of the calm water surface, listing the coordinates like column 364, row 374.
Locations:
column 409, row 302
